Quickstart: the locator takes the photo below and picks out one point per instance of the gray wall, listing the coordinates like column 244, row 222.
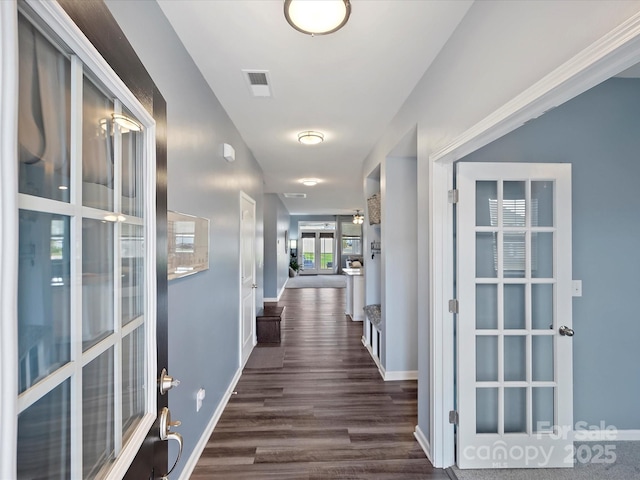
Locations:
column 399, row 272
column 203, row 308
column 597, row 133
column 276, row 259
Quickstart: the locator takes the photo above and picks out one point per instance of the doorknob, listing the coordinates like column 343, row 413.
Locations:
column 167, row 434
column 566, row 331
column 167, row 382
column 254, row 285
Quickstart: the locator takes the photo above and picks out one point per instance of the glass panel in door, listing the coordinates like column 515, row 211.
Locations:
column 308, row 252
column 327, row 252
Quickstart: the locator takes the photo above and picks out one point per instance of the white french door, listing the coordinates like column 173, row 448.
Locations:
column 86, row 294
column 514, row 349
column 317, row 251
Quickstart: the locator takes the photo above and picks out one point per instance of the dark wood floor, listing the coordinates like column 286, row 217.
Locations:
column 326, row 414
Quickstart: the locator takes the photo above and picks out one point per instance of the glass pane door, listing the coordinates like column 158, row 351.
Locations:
column 83, row 301
column 514, row 257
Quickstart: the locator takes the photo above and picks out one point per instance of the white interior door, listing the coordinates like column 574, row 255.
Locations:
column 514, row 364
column 247, row 276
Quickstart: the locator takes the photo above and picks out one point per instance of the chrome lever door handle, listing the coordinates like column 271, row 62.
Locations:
column 566, row 331
column 167, row 434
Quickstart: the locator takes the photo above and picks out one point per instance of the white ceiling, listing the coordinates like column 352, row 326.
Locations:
column 348, row 85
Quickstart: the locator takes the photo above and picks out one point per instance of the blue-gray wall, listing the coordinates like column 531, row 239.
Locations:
column 203, row 308
column 276, row 258
column 598, row 133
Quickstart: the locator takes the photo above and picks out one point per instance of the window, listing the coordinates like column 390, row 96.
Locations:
column 351, row 239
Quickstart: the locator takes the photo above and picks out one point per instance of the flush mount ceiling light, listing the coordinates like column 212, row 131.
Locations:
column 310, row 137
column 358, row 218
column 317, row 17
column 309, row 182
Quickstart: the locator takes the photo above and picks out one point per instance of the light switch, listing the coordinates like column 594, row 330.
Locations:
column 199, row 398
column 576, row 288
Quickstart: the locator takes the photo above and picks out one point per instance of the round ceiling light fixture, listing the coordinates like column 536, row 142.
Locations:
column 310, row 137
column 309, row 182
column 317, row 17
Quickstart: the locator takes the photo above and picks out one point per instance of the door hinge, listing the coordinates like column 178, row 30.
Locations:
column 453, row 306
column 453, row 196
column 453, row 417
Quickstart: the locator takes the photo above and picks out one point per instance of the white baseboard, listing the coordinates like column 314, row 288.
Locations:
column 389, row 376
column 423, row 442
column 613, row 435
column 276, row 300
column 192, row 461
column 401, row 375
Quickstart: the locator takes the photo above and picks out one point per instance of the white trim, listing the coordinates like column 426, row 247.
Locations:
column 400, row 375
column 601, row 436
column 193, row 459
column 8, row 237
column 440, row 320
column 376, row 360
column 614, row 52
column 277, row 299
column 423, row 442
column 389, row 376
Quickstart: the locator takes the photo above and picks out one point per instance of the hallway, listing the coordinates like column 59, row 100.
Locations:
column 326, row 414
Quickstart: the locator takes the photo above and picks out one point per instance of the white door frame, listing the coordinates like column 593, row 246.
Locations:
column 614, row 52
column 8, row 235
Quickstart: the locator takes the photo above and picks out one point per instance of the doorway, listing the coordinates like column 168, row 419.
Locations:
column 317, row 248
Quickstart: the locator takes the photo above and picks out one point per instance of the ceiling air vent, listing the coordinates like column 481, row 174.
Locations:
column 258, row 81
column 295, row 195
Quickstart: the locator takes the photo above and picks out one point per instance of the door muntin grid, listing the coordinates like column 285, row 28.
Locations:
column 514, row 273
column 84, row 216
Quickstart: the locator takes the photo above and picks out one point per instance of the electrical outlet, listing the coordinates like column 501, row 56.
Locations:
column 199, row 398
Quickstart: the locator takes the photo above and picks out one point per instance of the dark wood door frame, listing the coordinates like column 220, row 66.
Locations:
column 96, row 22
